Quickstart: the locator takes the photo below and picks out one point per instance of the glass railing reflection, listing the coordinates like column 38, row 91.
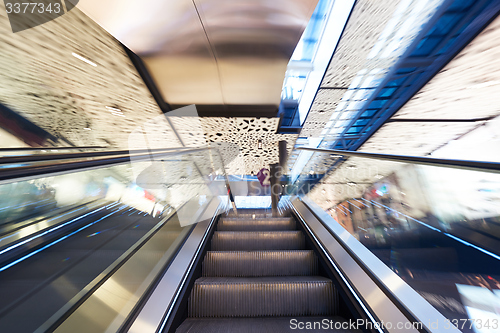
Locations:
column 437, row 228
column 66, row 235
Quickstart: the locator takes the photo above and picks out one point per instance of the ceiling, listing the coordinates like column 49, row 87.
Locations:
column 219, row 53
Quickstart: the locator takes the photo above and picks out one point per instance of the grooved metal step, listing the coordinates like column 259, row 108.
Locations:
column 261, row 240
column 262, row 297
column 263, row 325
column 260, row 224
column 260, row 263
column 248, row 216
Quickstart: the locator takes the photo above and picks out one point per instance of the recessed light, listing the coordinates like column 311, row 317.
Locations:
column 483, row 84
column 351, row 184
column 113, row 109
column 84, row 59
column 87, row 129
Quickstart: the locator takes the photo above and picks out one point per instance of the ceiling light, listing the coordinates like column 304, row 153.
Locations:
column 351, row 184
column 115, row 111
column 483, row 84
column 379, row 176
column 259, row 144
column 87, row 129
column 84, row 59
column 352, row 167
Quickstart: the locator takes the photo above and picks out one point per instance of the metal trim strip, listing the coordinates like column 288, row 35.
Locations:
column 343, row 243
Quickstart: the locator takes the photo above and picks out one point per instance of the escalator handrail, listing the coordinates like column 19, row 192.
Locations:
column 49, row 148
column 484, row 166
column 402, row 295
column 39, row 168
column 85, row 154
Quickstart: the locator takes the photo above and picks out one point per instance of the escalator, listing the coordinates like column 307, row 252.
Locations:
column 259, row 276
column 47, row 276
column 103, row 238
column 194, row 265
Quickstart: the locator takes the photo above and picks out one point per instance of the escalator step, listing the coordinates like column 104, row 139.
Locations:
column 263, row 325
column 248, row 216
column 256, row 224
column 262, row 297
column 251, row 241
column 260, row 263
column 256, row 218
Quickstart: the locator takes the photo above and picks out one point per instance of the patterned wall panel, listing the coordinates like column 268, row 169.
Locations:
column 466, row 88
column 245, row 133
column 43, row 81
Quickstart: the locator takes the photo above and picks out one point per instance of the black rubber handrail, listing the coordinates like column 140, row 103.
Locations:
column 431, row 161
column 50, row 148
column 30, row 169
column 61, row 156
